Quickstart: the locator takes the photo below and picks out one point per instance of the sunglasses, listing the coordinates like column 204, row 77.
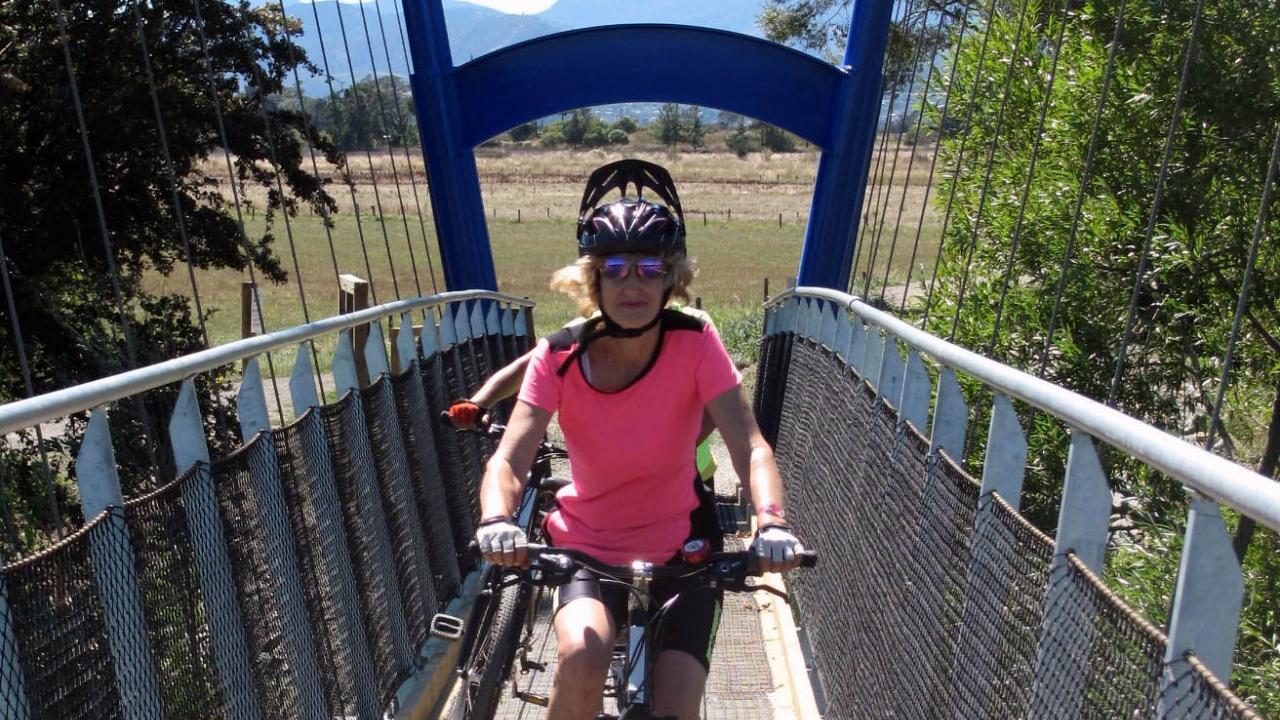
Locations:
column 618, row 267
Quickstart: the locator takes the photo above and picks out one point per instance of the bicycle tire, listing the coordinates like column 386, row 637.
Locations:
column 494, row 652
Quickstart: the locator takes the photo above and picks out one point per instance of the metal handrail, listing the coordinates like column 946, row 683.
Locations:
column 1252, row 494
column 26, row 413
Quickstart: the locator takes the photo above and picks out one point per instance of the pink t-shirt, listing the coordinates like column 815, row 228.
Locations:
column 631, row 452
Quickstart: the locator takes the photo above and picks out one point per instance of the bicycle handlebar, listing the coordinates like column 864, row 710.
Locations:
column 558, row 564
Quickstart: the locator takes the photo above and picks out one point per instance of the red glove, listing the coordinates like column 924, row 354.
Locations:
column 465, row 414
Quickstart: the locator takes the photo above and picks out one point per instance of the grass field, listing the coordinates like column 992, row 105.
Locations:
column 531, row 201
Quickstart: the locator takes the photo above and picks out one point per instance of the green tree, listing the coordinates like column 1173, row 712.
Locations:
column 366, row 115
column 1197, row 257
column 626, row 124
column 49, row 220
column 695, row 133
column 775, row 139
column 527, row 131
column 739, row 139
column 668, row 127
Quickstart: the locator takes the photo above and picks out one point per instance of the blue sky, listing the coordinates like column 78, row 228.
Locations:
column 515, row 6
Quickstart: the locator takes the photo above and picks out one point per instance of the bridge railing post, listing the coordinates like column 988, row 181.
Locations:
column 1205, row 614
column 989, row 576
column 115, row 575
column 1061, row 673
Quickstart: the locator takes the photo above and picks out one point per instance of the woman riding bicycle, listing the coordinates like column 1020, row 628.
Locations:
column 630, row 390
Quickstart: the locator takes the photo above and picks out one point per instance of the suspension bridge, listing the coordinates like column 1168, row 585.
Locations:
column 291, row 567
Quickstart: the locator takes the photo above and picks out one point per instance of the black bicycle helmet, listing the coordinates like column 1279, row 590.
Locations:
column 630, row 225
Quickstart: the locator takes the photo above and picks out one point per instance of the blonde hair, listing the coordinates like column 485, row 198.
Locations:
column 581, row 281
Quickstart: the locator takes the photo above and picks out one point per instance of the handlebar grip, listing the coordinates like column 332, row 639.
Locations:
column 809, row 558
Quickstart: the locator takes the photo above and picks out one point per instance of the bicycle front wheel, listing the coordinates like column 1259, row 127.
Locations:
column 493, row 654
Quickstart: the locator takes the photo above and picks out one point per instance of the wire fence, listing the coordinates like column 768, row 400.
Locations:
column 296, row 576
column 936, row 599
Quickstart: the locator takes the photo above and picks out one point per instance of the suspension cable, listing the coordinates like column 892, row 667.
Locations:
column 373, row 176
column 986, row 179
column 391, row 147
column 875, row 190
column 1156, row 205
column 1086, row 176
column 906, row 182
column 964, row 143
column 1242, row 300
column 131, row 353
column 868, row 202
column 346, row 164
column 933, row 163
column 220, row 415
column 273, row 156
column 1031, row 171
column 31, row 392
column 235, row 193
column 413, row 179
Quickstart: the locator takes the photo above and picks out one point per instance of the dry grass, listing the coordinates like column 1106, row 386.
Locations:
column 738, row 243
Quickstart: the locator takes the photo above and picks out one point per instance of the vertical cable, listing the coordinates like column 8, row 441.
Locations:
column 933, row 163
column 868, row 202
column 162, row 133
column 413, row 180
column 273, row 156
column 1086, row 176
column 1242, row 300
column 1156, row 204
column 346, row 165
column 391, row 151
column 30, row 388
column 875, row 190
column 1031, row 171
column 964, row 142
column 986, row 178
column 235, row 193
column 906, row 182
column 373, row 176
column 108, row 247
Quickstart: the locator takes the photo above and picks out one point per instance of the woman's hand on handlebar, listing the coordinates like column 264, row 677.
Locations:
column 467, row 415
column 777, row 548
column 503, row 543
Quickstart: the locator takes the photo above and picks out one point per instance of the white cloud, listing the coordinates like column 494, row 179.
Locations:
column 527, row 7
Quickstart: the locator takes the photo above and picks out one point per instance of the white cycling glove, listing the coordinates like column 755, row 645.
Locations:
column 776, row 544
column 500, row 537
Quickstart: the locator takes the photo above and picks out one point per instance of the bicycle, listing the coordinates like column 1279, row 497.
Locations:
column 630, row 674
column 490, row 634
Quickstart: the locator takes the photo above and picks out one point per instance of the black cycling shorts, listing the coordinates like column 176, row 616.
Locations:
column 689, row 626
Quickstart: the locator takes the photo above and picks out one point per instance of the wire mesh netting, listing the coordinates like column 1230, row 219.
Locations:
column 367, row 541
column 331, row 597
column 428, row 482
column 936, row 601
column 400, row 508
column 460, row 484
column 60, row 630
column 177, row 625
column 238, row 481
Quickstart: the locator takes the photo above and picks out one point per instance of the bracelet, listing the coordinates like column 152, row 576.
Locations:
column 494, row 520
column 773, row 525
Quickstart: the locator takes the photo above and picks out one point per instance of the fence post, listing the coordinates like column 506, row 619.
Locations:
column 230, row 651
column 872, row 356
column 857, row 344
column 251, row 401
column 1206, row 602
column 375, row 351
column 950, row 417
column 113, row 573
column 282, row 559
column 1061, row 675
column 345, row 376
column 916, row 391
column 989, row 573
column 13, row 689
column 353, row 295
column 889, row 378
column 302, row 382
column 844, row 332
column 406, row 353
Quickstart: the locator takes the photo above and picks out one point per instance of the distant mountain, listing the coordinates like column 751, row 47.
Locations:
column 473, row 31
column 736, row 15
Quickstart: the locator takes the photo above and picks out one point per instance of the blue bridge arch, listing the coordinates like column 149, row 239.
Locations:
column 834, row 107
